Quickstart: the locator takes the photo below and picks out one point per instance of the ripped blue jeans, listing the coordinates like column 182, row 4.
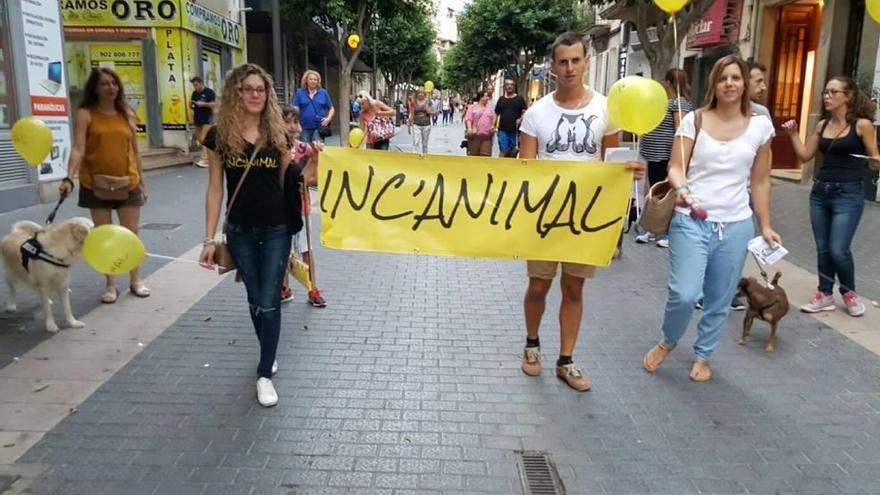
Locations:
column 261, row 255
column 705, row 258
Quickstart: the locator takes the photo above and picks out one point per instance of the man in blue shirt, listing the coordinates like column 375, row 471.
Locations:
column 202, row 102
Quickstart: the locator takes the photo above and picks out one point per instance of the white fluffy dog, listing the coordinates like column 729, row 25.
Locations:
column 44, row 265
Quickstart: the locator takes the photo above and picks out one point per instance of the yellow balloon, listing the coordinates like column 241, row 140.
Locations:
column 355, row 137
column 429, row 86
column 671, row 6
column 113, row 249
column 354, row 40
column 637, row 104
column 873, row 7
column 32, row 139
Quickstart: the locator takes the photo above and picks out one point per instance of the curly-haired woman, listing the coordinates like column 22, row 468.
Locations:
column 105, row 149
column 249, row 146
column 837, row 198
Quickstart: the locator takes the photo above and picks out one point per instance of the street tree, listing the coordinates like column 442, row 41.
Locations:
column 645, row 17
column 402, row 43
column 460, row 72
column 340, row 19
column 498, row 34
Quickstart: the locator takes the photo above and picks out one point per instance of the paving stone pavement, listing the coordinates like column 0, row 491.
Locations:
column 177, row 197
column 409, row 383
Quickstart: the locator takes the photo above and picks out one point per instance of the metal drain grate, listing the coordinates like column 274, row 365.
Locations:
column 538, row 473
column 161, row 226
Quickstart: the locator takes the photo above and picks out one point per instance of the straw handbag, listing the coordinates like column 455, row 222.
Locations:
column 660, row 203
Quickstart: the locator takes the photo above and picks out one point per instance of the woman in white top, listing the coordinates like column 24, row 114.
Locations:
column 730, row 151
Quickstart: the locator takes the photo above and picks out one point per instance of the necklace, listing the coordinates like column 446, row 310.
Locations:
column 584, row 101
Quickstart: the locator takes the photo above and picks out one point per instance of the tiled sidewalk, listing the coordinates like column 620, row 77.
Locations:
column 409, row 383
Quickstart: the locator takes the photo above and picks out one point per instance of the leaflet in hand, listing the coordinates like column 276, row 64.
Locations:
column 766, row 254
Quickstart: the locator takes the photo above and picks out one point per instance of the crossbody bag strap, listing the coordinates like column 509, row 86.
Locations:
column 238, row 187
column 312, row 101
column 698, row 123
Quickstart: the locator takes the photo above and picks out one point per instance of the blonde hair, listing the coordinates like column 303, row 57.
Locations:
column 304, row 82
column 230, row 142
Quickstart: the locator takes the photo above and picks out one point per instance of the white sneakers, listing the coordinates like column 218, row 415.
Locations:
column 266, row 395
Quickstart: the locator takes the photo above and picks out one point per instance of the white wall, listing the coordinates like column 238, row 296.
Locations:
column 446, row 26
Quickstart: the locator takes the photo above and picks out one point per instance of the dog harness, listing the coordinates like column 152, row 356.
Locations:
column 33, row 250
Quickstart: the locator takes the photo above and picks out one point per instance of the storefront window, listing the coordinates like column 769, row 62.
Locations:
column 8, row 112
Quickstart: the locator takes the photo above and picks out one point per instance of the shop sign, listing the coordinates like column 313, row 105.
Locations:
column 92, row 31
column 212, row 25
column 124, row 13
column 47, row 85
column 708, row 30
column 172, row 85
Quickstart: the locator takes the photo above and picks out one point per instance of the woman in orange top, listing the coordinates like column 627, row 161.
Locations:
column 105, row 146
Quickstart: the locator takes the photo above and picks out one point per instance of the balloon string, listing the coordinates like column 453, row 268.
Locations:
column 151, row 255
column 678, row 96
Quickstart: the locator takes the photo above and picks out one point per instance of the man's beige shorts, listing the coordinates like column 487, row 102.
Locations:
column 546, row 270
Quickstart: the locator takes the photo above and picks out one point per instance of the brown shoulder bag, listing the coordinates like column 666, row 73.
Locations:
column 660, row 203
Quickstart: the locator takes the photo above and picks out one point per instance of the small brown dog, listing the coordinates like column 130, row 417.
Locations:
column 770, row 305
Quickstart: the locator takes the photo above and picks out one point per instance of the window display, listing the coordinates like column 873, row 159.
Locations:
column 8, row 112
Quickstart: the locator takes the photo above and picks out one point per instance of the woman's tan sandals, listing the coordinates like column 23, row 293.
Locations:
column 655, row 357
column 701, row 372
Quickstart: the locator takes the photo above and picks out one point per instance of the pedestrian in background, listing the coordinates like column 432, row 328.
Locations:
column 420, row 116
column 480, row 126
column 837, row 198
column 249, row 149
column 758, row 89
column 315, row 107
column 304, row 156
column 656, row 146
column 373, row 121
column 435, row 109
column 452, row 106
column 105, row 159
column 706, row 257
column 446, row 111
column 510, row 110
column 203, row 101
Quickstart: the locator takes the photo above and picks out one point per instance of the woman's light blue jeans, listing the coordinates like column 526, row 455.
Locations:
column 261, row 256
column 705, row 258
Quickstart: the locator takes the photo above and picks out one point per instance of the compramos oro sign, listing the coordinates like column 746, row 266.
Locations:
column 153, row 13
column 210, row 24
column 130, row 13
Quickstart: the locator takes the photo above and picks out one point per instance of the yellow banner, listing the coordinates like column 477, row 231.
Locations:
column 121, row 13
column 172, row 85
column 472, row 207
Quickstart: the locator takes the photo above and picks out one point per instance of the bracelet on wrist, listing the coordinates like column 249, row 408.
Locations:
column 208, row 241
column 679, row 189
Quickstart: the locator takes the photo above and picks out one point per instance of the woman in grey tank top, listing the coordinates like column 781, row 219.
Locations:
column 420, row 115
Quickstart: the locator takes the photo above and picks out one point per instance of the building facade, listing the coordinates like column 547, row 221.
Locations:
column 446, row 25
column 156, row 47
column 32, row 83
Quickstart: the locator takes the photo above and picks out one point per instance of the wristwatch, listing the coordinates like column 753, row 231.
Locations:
column 208, row 241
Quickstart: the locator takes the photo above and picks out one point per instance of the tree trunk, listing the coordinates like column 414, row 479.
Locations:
column 344, row 89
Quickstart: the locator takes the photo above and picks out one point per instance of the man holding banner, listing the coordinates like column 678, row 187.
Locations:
column 571, row 124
